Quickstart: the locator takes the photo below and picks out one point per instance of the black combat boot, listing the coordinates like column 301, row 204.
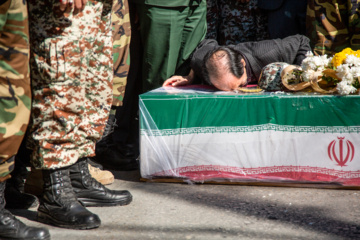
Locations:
column 59, row 206
column 12, row 228
column 90, row 192
column 14, row 192
column 111, row 155
column 116, row 157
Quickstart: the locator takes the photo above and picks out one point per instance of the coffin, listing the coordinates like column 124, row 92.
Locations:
column 199, row 134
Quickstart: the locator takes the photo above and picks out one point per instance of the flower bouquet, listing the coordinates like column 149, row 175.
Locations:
column 340, row 73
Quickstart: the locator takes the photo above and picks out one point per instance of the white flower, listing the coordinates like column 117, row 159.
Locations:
column 315, row 63
column 348, row 72
column 344, row 88
column 355, row 71
column 352, row 60
column 342, row 70
column 313, row 66
column 306, row 75
column 348, row 78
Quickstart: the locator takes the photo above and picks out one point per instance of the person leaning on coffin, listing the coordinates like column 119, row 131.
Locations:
column 233, row 66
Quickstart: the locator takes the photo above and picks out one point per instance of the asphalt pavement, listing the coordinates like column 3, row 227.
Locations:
column 209, row 211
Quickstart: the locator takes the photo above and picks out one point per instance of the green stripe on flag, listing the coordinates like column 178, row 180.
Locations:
column 172, row 111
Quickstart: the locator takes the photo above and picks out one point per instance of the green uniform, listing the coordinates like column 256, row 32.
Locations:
column 15, row 94
column 170, row 31
column 333, row 25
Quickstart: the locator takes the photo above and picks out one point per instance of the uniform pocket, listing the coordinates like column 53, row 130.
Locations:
column 58, row 61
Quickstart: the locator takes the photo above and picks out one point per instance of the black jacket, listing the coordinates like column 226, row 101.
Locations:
column 291, row 50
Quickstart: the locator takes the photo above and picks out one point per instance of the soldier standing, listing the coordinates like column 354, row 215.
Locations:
column 15, row 101
column 72, row 73
column 110, row 152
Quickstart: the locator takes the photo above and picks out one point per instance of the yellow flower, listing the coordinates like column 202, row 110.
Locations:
column 348, row 51
column 357, row 53
column 340, row 57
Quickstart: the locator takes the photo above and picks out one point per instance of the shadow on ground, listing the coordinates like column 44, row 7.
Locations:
column 307, row 216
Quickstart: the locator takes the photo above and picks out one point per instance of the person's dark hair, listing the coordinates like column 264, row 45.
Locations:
column 233, row 63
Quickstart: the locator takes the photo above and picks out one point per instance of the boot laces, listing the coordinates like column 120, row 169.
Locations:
column 63, row 189
column 109, row 127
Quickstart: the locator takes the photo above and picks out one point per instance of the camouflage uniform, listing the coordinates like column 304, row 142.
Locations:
column 71, row 70
column 232, row 22
column 15, row 97
column 121, row 40
column 333, row 25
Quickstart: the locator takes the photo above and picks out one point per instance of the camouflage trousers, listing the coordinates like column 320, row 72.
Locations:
column 71, row 71
column 121, row 43
column 333, row 25
column 232, row 22
column 15, row 94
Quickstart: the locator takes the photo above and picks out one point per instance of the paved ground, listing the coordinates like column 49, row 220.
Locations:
column 183, row 211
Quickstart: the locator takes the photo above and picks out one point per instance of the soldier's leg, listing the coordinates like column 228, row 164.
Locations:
column 58, row 65
column 72, row 86
column 115, row 154
column 193, row 33
column 71, row 82
column 121, row 28
column 15, row 100
column 15, row 96
column 161, row 33
column 126, row 133
column 117, row 151
column 15, row 195
column 99, row 89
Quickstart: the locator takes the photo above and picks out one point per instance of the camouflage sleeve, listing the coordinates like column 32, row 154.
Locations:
column 121, row 43
column 15, row 96
column 333, row 25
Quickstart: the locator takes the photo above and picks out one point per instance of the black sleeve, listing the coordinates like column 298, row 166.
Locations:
column 295, row 48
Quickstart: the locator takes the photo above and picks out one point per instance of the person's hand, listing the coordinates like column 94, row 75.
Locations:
column 176, row 81
column 69, row 5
